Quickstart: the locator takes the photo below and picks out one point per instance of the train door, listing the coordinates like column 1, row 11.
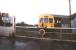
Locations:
column 51, row 22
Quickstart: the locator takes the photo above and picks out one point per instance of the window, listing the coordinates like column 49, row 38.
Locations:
column 46, row 20
column 50, row 20
column 41, row 19
column 5, row 21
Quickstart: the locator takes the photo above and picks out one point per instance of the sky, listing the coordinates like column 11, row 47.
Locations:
column 28, row 10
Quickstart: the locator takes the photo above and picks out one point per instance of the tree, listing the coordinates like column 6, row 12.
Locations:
column 21, row 24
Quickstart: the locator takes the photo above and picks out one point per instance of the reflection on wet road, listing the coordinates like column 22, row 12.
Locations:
column 31, row 44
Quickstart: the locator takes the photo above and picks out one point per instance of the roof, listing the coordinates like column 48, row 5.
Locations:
column 61, row 16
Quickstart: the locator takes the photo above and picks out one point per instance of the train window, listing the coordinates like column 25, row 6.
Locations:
column 46, row 20
column 41, row 19
column 50, row 20
column 58, row 21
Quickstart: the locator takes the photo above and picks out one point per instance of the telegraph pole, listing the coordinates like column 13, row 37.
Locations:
column 70, row 13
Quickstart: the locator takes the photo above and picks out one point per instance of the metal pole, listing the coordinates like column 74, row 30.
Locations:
column 70, row 13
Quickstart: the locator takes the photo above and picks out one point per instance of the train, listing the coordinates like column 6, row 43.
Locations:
column 50, row 21
column 53, row 23
column 7, row 24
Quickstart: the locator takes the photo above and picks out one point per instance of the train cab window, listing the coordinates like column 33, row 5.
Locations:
column 41, row 20
column 46, row 20
column 50, row 20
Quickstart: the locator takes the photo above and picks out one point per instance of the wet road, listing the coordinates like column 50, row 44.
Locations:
column 33, row 44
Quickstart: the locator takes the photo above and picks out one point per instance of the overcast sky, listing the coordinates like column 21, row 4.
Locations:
column 29, row 10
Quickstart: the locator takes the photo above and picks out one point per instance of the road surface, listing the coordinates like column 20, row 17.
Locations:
column 33, row 44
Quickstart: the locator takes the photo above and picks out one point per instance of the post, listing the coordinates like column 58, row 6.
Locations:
column 70, row 13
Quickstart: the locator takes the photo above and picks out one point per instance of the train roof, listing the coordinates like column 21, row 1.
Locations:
column 61, row 16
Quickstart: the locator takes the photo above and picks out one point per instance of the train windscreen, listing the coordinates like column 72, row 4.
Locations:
column 46, row 20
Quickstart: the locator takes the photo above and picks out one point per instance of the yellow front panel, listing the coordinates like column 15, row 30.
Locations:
column 48, row 24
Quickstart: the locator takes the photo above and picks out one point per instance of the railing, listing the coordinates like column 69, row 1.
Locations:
column 63, row 34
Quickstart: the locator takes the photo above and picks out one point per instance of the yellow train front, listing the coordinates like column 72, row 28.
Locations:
column 49, row 21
